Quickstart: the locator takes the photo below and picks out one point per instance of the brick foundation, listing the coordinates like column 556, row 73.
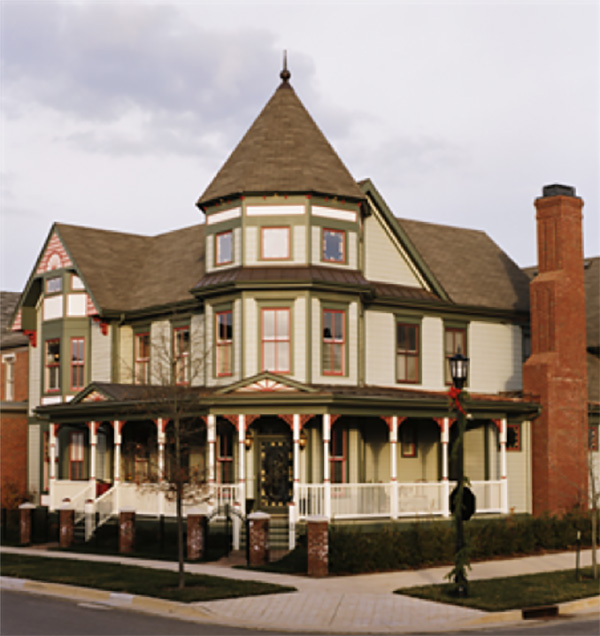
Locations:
column 67, row 524
column 258, row 523
column 318, row 546
column 196, row 536
column 26, row 522
column 126, row 531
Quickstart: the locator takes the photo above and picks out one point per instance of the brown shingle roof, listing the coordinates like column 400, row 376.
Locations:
column 283, row 151
column 127, row 272
column 470, row 267
column 8, row 338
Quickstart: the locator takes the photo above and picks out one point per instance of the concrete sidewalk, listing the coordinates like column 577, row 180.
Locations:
column 348, row 604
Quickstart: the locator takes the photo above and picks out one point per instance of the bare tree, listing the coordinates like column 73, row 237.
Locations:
column 172, row 391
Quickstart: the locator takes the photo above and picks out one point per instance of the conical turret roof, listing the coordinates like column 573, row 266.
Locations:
column 283, row 152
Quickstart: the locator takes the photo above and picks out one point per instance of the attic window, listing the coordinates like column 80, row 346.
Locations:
column 76, row 283
column 54, row 285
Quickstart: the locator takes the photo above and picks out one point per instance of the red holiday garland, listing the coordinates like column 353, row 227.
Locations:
column 454, row 393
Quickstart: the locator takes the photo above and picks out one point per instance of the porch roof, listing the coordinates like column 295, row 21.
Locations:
column 106, row 401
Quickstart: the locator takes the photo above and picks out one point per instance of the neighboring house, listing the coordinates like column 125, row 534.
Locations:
column 14, row 352
column 313, row 330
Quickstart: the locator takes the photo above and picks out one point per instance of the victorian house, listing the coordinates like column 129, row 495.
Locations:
column 301, row 333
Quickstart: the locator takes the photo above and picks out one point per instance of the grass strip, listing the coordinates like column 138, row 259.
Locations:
column 514, row 592
column 130, row 579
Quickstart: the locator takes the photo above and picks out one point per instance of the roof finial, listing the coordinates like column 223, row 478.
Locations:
column 285, row 74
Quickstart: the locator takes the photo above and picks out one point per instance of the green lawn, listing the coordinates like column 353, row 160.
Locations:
column 515, row 592
column 132, row 579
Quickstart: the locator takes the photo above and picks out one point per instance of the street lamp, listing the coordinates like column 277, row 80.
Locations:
column 459, row 370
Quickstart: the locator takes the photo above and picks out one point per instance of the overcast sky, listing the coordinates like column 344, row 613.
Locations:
column 117, row 115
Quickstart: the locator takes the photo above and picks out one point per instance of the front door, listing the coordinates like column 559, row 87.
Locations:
column 275, row 474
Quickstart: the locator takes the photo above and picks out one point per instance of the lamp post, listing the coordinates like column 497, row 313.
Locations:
column 459, row 369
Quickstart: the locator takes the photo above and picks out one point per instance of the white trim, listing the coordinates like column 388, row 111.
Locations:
column 275, row 210
column 333, row 213
column 225, row 215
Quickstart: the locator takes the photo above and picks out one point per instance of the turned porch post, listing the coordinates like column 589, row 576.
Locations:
column 394, row 466
column 93, row 428
column 326, row 467
column 503, row 470
column 211, row 434
column 52, row 480
column 160, row 438
column 117, row 425
column 445, row 437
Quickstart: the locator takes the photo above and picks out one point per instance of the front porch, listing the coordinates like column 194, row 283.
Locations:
column 338, row 466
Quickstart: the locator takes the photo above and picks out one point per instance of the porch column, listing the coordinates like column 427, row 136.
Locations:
column 117, row 424
column 394, row 466
column 445, row 437
column 93, row 428
column 241, row 489
column 293, row 508
column 211, row 435
column 160, row 438
column 503, row 470
column 52, row 480
column 326, row 467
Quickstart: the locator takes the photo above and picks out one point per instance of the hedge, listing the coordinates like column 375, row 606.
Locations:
column 402, row 545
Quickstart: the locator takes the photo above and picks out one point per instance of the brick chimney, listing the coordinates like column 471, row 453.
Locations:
column 556, row 372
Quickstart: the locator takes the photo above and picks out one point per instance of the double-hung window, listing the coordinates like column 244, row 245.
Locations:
column 275, row 243
column 407, row 352
column 276, row 340
column 181, row 354
column 52, row 364
column 334, row 246
column 225, row 454
column 77, row 363
column 455, row 341
column 338, row 452
column 224, row 248
column 224, row 340
column 76, row 455
column 334, row 341
column 9, row 377
column 142, row 358
column 54, row 285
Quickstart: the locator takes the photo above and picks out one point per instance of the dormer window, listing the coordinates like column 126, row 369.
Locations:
column 224, row 248
column 54, row 285
column 334, row 246
column 275, row 243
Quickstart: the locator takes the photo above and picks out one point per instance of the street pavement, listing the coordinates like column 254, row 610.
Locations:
column 336, row 604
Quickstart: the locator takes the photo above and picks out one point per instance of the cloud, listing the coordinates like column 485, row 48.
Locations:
column 105, row 64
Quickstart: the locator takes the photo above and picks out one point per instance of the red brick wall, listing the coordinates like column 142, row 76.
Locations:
column 13, row 449
column 556, row 372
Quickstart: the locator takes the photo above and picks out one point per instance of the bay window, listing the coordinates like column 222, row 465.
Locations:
column 52, row 364
column 181, row 354
column 334, row 341
column 276, row 340
column 77, row 363
column 224, row 342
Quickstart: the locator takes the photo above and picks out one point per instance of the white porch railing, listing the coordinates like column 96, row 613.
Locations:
column 488, row 496
column 74, row 494
column 360, row 500
column 420, row 498
column 311, row 500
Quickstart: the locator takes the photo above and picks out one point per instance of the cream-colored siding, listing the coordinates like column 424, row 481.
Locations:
column 101, row 352
column 198, row 364
column 251, row 245
column 518, row 469
column 251, row 337
column 351, row 375
column 299, row 339
column 317, row 249
column 380, row 348
column 475, row 454
column 425, row 465
column 36, row 379
column 377, row 455
column 385, row 259
column 496, row 357
column 298, row 241
column 160, row 352
column 126, row 354
column 432, row 353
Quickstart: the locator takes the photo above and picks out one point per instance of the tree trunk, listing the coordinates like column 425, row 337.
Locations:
column 179, row 503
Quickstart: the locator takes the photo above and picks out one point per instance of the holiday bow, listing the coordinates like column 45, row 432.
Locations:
column 454, row 393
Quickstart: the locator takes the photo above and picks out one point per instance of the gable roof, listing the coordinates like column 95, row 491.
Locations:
column 283, row 151
column 128, row 272
column 470, row 266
